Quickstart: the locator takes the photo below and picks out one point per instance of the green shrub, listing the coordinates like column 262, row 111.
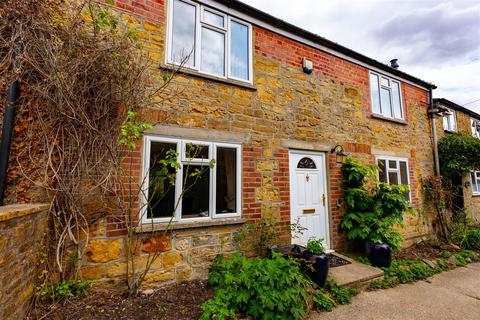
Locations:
column 315, row 246
column 65, row 289
column 458, row 154
column 262, row 288
column 342, row 295
column 322, row 301
column 373, row 209
column 467, row 237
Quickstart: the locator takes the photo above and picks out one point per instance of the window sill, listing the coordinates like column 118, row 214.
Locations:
column 380, row 117
column 450, row 131
column 200, row 75
column 149, row 227
column 475, row 194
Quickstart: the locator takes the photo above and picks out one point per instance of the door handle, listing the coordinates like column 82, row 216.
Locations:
column 323, row 199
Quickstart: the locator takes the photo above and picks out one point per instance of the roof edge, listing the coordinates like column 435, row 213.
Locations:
column 281, row 24
column 456, row 107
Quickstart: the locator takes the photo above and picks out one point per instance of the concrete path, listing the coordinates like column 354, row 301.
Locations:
column 450, row 295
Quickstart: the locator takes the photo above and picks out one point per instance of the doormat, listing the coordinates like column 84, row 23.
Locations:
column 335, row 261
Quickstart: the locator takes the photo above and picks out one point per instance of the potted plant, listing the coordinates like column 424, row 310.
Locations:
column 373, row 211
column 318, row 261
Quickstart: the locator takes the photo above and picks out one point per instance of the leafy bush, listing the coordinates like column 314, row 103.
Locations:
column 315, row 246
column 322, row 301
column 65, row 289
column 342, row 295
column 467, row 237
column 262, row 288
column 374, row 210
column 458, row 154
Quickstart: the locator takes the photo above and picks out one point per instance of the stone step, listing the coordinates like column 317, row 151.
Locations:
column 355, row 275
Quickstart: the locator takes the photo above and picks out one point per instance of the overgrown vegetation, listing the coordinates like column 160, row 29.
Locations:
column 458, row 154
column 267, row 289
column 466, row 236
column 65, row 289
column 373, row 210
column 262, row 288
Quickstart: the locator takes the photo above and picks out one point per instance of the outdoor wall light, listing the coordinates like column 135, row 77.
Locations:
column 307, row 66
column 341, row 155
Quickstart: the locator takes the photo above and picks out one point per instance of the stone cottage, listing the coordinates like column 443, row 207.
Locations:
column 275, row 107
column 464, row 120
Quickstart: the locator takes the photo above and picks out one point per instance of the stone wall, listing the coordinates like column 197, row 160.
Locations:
column 182, row 254
column 22, row 230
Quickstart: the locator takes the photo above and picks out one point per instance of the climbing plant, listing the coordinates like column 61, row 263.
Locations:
column 459, row 154
column 373, row 209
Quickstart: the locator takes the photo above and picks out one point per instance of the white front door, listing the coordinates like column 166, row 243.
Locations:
column 308, row 196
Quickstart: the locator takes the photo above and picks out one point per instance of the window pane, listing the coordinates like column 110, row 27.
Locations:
column 451, row 118
column 374, row 93
column 396, row 98
column 393, row 177
column 213, row 52
column 196, row 151
column 195, row 201
column 385, row 82
column 475, row 183
column 239, row 50
column 392, row 164
column 226, row 180
column 183, row 37
column 382, row 172
column 161, row 182
column 386, row 106
column 403, row 172
column 445, row 123
column 214, row 19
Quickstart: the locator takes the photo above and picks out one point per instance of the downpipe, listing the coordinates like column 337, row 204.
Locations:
column 7, row 129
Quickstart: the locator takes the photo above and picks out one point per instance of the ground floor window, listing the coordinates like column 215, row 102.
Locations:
column 205, row 185
column 476, row 182
column 393, row 171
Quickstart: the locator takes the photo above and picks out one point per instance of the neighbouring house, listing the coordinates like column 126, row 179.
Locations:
column 461, row 119
column 274, row 106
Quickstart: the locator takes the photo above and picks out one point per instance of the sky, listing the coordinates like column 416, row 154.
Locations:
column 435, row 40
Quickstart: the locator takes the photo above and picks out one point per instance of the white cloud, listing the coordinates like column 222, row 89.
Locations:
column 435, row 40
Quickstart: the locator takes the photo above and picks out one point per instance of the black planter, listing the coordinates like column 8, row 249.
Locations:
column 314, row 266
column 379, row 254
column 319, row 267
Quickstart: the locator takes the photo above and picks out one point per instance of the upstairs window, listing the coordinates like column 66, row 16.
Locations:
column 476, row 182
column 209, row 41
column 476, row 128
column 450, row 121
column 393, row 171
column 386, row 96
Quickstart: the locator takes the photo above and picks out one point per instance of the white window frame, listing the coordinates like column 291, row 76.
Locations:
column 475, row 127
column 181, row 143
column 380, row 86
column 397, row 170
column 476, row 182
column 199, row 24
column 447, row 125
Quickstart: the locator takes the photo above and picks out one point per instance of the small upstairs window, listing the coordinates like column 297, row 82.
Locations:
column 475, row 128
column 386, row 96
column 450, row 121
column 476, row 182
column 209, row 41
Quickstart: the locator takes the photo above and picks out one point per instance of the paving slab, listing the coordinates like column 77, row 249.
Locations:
column 356, row 275
column 454, row 294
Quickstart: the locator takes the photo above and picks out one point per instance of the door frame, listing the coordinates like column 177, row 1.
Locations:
column 291, row 168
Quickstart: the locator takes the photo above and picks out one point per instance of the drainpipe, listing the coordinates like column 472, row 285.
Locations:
column 8, row 120
column 435, row 138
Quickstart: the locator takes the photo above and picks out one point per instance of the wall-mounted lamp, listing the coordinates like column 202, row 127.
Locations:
column 307, row 65
column 341, row 155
